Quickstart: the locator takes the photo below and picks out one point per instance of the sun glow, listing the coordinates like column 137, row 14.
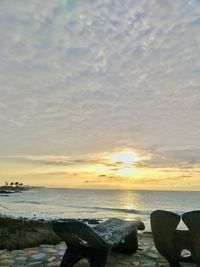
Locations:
column 127, row 171
column 126, row 158
column 123, row 162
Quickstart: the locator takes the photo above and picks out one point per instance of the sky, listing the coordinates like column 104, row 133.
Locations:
column 100, row 93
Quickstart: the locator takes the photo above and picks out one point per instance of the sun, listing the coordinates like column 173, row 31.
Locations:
column 125, row 158
column 122, row 163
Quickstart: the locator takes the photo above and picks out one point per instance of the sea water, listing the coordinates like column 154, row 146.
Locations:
column 96, row 204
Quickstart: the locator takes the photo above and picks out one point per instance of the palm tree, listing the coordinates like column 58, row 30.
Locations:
column 16, row 184
column 11, row 184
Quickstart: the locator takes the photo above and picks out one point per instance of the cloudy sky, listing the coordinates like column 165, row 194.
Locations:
column 100, row 93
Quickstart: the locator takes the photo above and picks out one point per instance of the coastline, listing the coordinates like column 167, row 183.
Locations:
column 53, row 204
column 10, row 189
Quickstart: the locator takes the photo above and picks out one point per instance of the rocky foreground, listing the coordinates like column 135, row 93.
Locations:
column 51, row 255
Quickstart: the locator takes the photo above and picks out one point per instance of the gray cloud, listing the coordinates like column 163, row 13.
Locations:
column 93, row 76
column 179, row 158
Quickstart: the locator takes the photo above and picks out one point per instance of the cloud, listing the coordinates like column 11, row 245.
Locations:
column 50, row 160
column 186, row 160
column 58, row 173
column 86, row 78
column 177, row 158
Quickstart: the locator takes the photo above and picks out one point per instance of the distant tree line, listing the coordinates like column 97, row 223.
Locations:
column 17, row 184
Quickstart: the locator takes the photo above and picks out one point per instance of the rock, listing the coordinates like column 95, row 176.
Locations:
column 49, row 250
column 53, row 264
column 185, row 253
column 61, row 246
column 21, row 258
column 31, row 252
column 152, row 255
column 153, row 249
column 4, row 256
column 6, row 262
column 51, row 259
column 125, row 263
column 38, row 256
column 35, row 264
column 18, row 252
column 61, row 253
column 46, row 246
column 136, row 263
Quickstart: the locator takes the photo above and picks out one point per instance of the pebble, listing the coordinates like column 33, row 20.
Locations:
column 136, row 263
column 50, row 256
column 53, row 264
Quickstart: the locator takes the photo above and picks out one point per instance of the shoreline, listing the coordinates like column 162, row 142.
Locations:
column 9, row 189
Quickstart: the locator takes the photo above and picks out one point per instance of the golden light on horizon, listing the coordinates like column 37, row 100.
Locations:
column 127, row 171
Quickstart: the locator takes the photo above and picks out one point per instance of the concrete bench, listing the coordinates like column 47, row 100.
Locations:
column 171, row 242
column 95, row 243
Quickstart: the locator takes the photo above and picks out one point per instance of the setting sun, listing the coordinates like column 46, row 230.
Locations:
column 126, row 158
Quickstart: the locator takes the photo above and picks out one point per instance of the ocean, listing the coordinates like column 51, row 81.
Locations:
column 96, row 204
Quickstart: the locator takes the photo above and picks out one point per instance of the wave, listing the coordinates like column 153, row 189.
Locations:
column 3, row 207
column 130, row 211
column 30, row 202
column 121, row 210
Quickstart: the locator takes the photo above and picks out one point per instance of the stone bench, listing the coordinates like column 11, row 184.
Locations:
column 171, row 242
column 94, row 243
